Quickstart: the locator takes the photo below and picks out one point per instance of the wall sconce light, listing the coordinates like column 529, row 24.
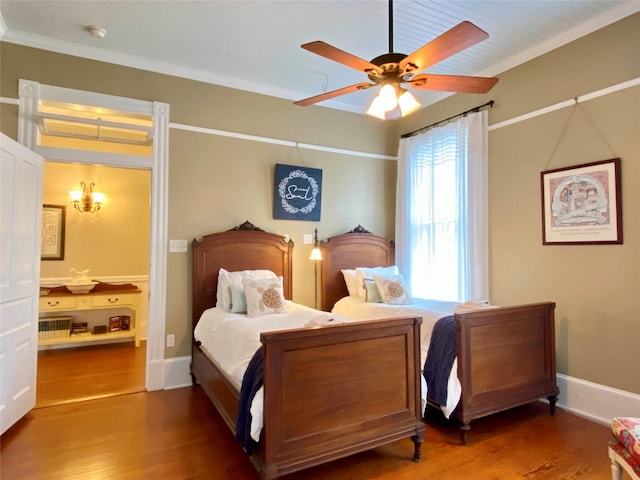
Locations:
column 86, row 200
column 316, row 255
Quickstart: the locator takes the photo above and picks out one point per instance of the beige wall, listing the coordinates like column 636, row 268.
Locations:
column 115, row 240
column 216, row 182
column 223, row 182
column 596, row 287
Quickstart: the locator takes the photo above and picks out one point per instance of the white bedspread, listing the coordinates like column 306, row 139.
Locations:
column 231, row 339
column 430, row 311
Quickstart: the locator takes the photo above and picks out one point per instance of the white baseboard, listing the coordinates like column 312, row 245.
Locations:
column 595, row 402
column 177, row 372
column 155, row 375
column 592, row 401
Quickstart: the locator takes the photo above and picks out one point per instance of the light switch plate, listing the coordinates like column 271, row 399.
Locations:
column 178, row 246
column 307, row 239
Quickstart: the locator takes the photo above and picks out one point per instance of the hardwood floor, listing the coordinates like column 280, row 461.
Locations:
column 75, row 374
column 177, row 434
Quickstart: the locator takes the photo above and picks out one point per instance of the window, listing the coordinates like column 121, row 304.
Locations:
column 441, row 212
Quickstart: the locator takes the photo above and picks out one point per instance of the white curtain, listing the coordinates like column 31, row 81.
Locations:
column 442, row 210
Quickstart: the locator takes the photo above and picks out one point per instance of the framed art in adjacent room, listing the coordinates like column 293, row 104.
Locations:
column 582, row 204
column 297, row 193
column 52, row 235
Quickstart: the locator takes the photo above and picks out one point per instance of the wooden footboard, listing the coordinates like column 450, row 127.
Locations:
column 330, row 392
column 220, row 391
column 506, row 358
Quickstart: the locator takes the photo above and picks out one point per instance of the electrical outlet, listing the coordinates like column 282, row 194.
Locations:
column 171, row 340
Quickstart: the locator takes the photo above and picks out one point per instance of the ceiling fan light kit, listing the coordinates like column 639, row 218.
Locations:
column 391, row 70
column 391, row 98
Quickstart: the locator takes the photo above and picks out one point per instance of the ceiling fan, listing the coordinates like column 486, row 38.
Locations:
column 392, row 70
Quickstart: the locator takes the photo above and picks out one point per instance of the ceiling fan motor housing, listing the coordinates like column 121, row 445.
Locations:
column 389, row 64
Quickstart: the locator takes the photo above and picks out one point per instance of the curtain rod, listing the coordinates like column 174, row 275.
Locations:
column 489, row 104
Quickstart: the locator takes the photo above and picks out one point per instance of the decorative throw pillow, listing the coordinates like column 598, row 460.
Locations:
column 226, row 279
column 371, row 292
column 392, row 289
column 363, row 273
column 238, row 300
column 264, row 296
column 350, row 280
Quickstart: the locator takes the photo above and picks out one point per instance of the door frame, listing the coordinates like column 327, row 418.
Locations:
column 30, row 93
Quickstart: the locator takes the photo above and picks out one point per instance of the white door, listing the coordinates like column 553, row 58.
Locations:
column 20, row 221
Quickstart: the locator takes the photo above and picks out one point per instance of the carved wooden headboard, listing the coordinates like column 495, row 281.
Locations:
column 356, row 248
column 245, row 247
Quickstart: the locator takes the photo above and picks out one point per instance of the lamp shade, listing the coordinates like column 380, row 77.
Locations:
column 376, row 109
column 388, row 97
column 76, row 195
column 316, row 254
column 407, row 103
column 98, row 197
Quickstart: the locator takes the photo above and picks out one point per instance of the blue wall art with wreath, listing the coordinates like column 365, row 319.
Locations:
column 297, row 193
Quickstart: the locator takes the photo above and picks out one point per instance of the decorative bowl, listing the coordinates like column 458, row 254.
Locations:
column 80, row 287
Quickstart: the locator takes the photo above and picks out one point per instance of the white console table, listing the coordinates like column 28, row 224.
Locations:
column 60, row 301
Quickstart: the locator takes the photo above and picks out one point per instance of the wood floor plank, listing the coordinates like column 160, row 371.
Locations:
column 74, row 374
column 177, row 434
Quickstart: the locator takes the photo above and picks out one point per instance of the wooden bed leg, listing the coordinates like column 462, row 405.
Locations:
column 417, row 446
column 269, row 473
column 464, row 428
column 193, row 377
column 552, row 404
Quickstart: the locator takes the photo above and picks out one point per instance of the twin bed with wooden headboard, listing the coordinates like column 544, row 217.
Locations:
column 505, row 355
column 331, row 390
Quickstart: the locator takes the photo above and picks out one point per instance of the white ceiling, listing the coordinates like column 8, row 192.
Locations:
column 254, row 45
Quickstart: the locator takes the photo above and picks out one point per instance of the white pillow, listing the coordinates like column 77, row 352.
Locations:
column 350, row 280
column 238, row 300
column 226, row 279
column 363, row 273
column 392, row 289
column 264, row 296
column 371, row 292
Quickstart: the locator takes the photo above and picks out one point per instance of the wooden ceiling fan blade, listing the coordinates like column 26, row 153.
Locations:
column 333, row 93
column 332, row 53
column 458, row 38
column 453, row 83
